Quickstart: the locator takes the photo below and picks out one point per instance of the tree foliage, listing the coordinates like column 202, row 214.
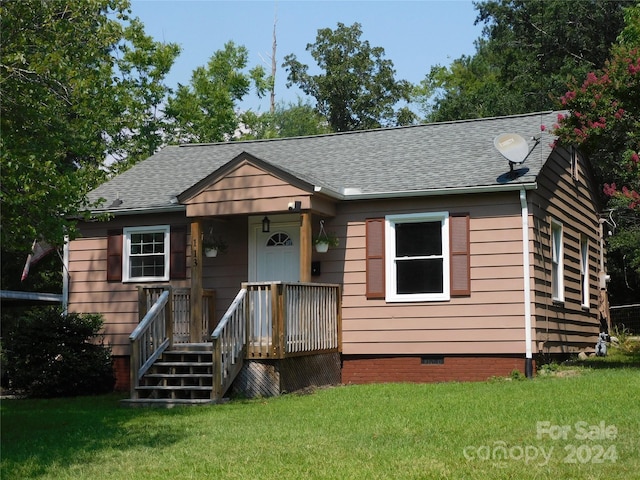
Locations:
column 604, row 121
column 287, row 120
column 357, row 88
column 529, row 50
column 80, row 81
column 205, row 110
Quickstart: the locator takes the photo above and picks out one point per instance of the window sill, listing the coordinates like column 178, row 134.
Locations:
column 145, row 280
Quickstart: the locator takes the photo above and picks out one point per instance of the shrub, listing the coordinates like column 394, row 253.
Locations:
column 48, row 354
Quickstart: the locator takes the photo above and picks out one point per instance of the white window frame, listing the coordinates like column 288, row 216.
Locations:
column 557, row 261
column 126, row 252
column 584, row 270
column 391, row 221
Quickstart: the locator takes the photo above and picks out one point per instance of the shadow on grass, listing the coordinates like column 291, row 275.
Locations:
column 40, row 434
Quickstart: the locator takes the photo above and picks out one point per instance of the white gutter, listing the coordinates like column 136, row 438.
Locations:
column 137, row 211
column 426, row 193
column 527, row 283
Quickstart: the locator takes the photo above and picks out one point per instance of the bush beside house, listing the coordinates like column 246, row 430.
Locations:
column 47, row 354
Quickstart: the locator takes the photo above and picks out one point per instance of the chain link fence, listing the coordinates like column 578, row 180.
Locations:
column 626, row 318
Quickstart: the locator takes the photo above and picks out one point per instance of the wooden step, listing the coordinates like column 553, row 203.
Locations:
column 185, row 388
column 178, row 375
column 165, row 402
column 181, row 376
column 183, row 364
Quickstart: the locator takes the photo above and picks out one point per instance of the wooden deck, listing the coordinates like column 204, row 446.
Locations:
column 288, row 334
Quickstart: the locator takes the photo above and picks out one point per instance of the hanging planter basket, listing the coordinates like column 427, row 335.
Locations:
column 322, row 247
column 325, row 240
column 213, row 245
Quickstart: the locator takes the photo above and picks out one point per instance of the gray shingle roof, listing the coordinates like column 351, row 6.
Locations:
column 393, row 161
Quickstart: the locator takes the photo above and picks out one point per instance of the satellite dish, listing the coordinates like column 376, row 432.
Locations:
column 512, row 147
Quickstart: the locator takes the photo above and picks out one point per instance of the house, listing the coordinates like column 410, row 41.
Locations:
column 453, row 263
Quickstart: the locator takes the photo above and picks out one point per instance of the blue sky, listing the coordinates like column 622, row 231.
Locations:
column 414, row 34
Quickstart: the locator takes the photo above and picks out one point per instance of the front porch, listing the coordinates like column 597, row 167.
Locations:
column 275, row 336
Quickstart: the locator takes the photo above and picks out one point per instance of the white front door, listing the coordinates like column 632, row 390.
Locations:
column 274, row 256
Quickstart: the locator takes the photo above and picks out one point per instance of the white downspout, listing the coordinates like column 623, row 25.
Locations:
column 527, row 284
column 65, row 275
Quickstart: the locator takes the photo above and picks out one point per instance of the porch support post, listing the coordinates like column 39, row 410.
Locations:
column 195, row 327
column 305, row 247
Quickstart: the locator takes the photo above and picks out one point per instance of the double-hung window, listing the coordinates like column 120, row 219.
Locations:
column 557, row 262
column 417, row 257
column 146, row 254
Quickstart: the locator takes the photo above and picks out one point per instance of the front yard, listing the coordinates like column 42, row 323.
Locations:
column 581, row 425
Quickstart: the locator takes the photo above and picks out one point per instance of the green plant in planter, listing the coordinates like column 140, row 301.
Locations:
column 325, row 240
column 212, row 243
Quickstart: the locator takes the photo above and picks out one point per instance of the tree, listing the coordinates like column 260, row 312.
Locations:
column 204, row 111
column 79, row 80
column 357, row 89
column 143, row 65
column 528, row 52
column 604, row 122
column 292, row 120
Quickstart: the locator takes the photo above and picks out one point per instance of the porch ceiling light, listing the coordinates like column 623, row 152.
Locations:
column 266, row 225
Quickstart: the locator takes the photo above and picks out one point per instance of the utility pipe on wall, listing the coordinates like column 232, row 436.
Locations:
column 528, row 366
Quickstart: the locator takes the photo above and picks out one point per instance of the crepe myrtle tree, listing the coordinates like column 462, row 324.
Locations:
column 604, row 122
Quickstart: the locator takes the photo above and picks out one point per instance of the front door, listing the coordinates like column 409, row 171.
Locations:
column 275, row 255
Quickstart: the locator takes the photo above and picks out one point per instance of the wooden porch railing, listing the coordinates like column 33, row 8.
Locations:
column 150, row 338
column 181, row 308
column 229, row 345
column 275, row 320
column 288, row 319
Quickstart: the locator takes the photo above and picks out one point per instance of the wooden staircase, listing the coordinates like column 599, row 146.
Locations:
column 181, row 376
column 265, row 323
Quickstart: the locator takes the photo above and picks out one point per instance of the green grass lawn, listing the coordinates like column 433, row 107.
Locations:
column 581, row 424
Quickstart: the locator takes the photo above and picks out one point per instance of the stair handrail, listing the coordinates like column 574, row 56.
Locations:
column 150, row 338
column 229, row 345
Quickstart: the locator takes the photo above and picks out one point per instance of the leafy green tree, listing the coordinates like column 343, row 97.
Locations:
column 205, row 110
column 605, row 123
column 143, row 65
column 357, row 89
column 292, row 120
column 528, row 52
column 79, row 81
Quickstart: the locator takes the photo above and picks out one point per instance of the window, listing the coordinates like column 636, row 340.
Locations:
column 146, row 254
column 557, row 263
column 279, row 240
column 584, row 270
column 417, row 257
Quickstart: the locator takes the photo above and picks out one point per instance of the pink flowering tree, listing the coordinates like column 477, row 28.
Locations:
column 603, row 120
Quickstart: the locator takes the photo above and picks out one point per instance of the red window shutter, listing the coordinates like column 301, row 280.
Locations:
column 178, row 253
column 460, row 251
column 375, row 258
column 114, row 256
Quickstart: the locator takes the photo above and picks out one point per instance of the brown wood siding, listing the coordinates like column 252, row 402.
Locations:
column 89, row 291
column 489, row 320
column 246, row 190
column 567, row 326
